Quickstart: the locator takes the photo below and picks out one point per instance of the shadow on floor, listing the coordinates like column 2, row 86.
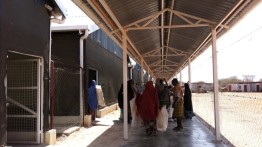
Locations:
column 194, row 134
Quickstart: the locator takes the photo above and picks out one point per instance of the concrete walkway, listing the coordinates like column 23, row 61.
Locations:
column 108, row 132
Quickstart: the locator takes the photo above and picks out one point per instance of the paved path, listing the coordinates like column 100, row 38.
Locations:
column 108, row 132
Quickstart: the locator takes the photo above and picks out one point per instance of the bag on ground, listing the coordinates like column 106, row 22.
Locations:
column 162, row 119
column 136, row 120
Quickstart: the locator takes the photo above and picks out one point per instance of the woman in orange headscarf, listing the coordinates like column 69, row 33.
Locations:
column 147, row 106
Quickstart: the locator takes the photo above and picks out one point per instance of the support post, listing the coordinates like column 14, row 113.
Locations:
column 189, row 72
column 148, row 77
column 215, row 82
column 180, row 77
column 81, row 76
column 125, row 83
column 142, row 73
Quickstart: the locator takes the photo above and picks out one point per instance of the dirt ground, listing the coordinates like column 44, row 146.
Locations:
column 240, row 116
column 240, row 122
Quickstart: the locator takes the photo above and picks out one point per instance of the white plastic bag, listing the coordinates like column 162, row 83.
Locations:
column 100, row 96
column 136, row 120
column 162, row 119
column 170, row 109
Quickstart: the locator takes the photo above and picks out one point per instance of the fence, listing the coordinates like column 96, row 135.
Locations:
column 240, row 116
column 65, row 101
column 23, row 111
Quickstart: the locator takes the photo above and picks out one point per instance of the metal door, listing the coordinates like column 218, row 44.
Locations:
column 24, row 97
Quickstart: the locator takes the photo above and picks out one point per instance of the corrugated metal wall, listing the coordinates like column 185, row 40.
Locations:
column 65, row 55
column 24, row 28
column 109, row 67
column 65, row 48
column 101, row 38
column 137, row 74
column 146, row 77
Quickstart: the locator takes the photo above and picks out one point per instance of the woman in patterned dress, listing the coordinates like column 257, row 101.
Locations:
column 178, row 104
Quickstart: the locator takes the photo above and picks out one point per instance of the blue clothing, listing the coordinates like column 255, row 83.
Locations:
column 92, row 97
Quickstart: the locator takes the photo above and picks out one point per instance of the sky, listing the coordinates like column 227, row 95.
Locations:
column 239, row 50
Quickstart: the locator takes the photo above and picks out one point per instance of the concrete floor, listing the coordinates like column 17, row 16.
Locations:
column 108, row 132
column 194, row 134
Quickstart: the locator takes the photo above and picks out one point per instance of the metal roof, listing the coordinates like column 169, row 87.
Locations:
column 164, row 34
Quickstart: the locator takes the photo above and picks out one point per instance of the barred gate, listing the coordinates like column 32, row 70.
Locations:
column 23, row 96
column 66, row 103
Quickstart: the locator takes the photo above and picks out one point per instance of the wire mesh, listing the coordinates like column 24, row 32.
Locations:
column 66, row 97
column 203, row 104
column 240, row 116
column 22, row 97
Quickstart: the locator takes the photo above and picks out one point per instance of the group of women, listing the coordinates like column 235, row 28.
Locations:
column 155, row 99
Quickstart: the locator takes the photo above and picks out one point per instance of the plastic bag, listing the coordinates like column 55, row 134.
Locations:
column 162, row 119
column 136, row 119
column 170, row 109
column 100, row 97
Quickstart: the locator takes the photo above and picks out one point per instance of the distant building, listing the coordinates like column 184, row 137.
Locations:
column 201, row 87
column 245, row 87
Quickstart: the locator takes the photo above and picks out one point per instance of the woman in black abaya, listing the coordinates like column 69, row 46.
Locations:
column 188, row 107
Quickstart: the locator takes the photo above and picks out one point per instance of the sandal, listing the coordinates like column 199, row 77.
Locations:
column 177, row 129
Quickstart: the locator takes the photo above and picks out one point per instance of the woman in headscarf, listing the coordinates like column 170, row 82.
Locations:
column 147, row 106
column 188, row 113
column 120, row 101
column 92, row 97
column 177, row 104
column 130, row 96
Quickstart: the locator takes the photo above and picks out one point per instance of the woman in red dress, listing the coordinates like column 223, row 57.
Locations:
column 147, row 106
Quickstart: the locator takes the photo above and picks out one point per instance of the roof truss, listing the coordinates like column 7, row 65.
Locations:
column 104, row 16
column 143, row 24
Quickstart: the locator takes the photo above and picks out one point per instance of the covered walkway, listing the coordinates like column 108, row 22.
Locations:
column 164, row 36
column 108, row 132
column 194, row 134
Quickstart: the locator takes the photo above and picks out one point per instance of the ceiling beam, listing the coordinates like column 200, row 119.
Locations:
column 169, row 55
column 113, row 17
column 169, row 29
column 162, row 33
column 189, row 19
column 158, row 62
column 177, row 51
column 171, row 61
column 185, row 17
column 163, row 65
column 153, row 52
column 155, row 63
column 174, row 50
column 238, row 7
column 200, row 22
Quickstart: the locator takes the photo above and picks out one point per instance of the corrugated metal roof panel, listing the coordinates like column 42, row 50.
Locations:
column 128, row 11
column 189, row 42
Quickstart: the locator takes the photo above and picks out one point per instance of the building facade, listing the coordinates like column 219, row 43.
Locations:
column 245, row 87
column 24, row 70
